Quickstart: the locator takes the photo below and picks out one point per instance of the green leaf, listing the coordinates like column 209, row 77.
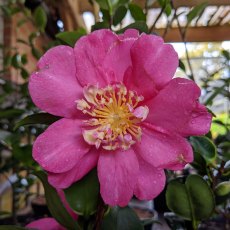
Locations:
column 121, row 219
column 11, row 113
column 205, row 147
column 100, row 25
column 11, row 227
column 223, row 188
column 83, row 195
column 138, row 25
column 226, row 54
column 16, row 61
column 222, row 192
column 24, row 73
column 119, row 15
column 137, row 12
column 168, row 9
column 23, row 154
column 40, row 18
column 166, row 5
column 36, row 53
column 39, row 118
column 70, row 38
column 181, row 65
column 199, row 163
column 196, row 11
column 103, row 4
column 24, row 59
column 55, row 205
column 193, row 200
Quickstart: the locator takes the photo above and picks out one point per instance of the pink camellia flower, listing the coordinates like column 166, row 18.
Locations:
column 122, row 112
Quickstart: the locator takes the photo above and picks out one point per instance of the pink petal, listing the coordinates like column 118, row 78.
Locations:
column 118, row 58
column 45, row 224
column 90, row 52
column 150, row 183
column 163, row 150
column 83, row 166
column 61, row 146
column 54, row 88
column 117, row 173
column 129, row 33
column 176, row 109
column 144, row 86
column 154, row 64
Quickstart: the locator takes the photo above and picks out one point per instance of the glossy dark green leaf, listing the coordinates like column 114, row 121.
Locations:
column 70, row 38
column 11, row 113
column 205, row 147
column 40, row 18
column 137, row 12
column 199, row 164
column 138, row 25
column 121, row 219
column 100, row 25
column 83, row 195
column 39, row 118
column 196, row 11
column 193, row 200
column 11, row 227
column 55, row 205
column 119, row 15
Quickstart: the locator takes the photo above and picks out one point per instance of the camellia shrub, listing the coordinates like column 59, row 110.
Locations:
column 120, row 125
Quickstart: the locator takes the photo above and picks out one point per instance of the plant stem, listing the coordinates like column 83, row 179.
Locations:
column 100, row 214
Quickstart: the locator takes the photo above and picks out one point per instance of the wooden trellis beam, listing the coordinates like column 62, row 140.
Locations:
column 198, row 34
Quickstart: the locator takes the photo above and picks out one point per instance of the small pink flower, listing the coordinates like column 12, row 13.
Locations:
column 122, row 112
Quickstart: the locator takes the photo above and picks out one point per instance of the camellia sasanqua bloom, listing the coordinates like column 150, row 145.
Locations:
column 122, row 113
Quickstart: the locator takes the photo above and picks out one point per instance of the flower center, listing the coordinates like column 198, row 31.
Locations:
column 115, row 116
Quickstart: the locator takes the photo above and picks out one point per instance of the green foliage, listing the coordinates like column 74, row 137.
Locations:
column 205, row 147
column 196, row 11
column 39, row 118
column 193, row 200
column 138, row 25
column 121, row 219
column 55, row 205
column 222, row 192
column 119, row 15
column 100, row 25
column 137, row 12
column 70, row 38
column 166, row 5
column 83, row 196
column 40, row 18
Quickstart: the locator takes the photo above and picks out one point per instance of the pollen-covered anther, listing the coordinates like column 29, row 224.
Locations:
column 116, row 116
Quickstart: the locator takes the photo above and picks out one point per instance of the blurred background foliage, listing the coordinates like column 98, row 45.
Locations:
column 33, row 26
